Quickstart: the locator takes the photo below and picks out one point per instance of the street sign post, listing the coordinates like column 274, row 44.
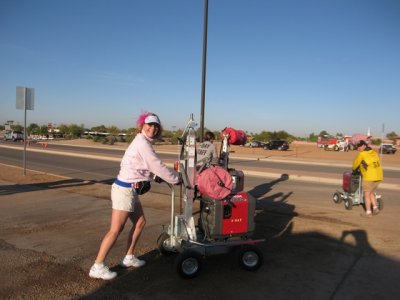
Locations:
column 25, row 101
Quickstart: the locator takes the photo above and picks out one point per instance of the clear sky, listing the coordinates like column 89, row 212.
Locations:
column 302, row 66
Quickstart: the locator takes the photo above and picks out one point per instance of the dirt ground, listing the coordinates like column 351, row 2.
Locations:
column 48, row 245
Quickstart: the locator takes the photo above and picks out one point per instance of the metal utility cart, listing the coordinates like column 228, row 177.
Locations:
column 352, row 193
column 223, row 226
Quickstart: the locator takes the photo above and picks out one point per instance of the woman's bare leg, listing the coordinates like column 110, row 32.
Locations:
column 138, row 222
column 118, row 220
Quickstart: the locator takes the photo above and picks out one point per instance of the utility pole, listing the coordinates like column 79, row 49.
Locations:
column 203, row 79
column 383, row 132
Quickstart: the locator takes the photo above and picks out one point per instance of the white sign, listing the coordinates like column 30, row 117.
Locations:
column 25, row 98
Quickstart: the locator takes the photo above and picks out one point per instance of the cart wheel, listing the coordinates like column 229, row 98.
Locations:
column 250, row 258
column 188, row 264
column 348, row 204
column 380, row 203
column 161, row 244
column 337, row 198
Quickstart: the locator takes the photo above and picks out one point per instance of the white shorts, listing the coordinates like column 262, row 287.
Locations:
column 123, row 198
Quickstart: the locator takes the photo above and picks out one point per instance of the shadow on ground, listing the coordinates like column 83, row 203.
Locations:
column 56, row 184
column 296, row 266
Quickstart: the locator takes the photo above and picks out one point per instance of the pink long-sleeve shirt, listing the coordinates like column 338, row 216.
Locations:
column 140, row 162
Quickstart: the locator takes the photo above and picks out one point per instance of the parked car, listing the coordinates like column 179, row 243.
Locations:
column 277, row 145
column 14, row 136
column 387, row 149
column 324, row 141
column 340, row 145
column 256, row 144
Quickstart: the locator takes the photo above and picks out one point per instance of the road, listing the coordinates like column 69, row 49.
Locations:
column 101, row 165
column 81, row 164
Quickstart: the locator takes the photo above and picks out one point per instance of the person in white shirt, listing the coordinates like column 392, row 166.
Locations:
column 138, row 166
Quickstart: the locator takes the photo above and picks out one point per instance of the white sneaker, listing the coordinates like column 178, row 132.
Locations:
column 102, row 272
column 132, row 262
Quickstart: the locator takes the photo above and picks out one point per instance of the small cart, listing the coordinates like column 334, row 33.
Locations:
column 223, row 226
column 352, row 193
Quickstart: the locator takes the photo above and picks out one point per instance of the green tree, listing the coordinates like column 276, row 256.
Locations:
column 100, row 128
column 167, row 134
column 76, row 130
column 376, row 141
column 340, row 135
column 130, row 131
column 43, row 130
column 113, row 130
column 264, row 136
column 313, row 137
column 176, row 135
column 392, row 136
column 63, row 128
column 279, row 135
column 17, row 127
column 323, row 132
column 33, row 128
